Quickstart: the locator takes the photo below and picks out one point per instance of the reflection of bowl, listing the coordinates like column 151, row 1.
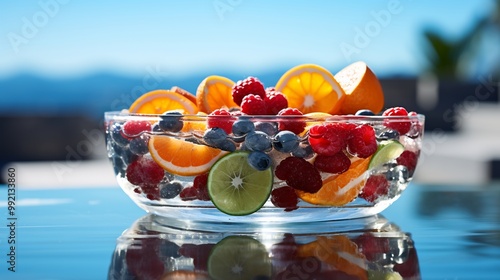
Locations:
column 376, row 250
column 363, row 185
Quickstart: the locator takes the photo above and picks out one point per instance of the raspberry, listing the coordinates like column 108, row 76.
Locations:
column 372, row 247
column 416, row 127
column 295, row 125
column 286, row 250
column 142, row 259
column 250, row 85
column 362, row 142
column 133, row 129
column 285, row 197
column 200, row 184
column 328, row 139
column 410, row 269
column 376, row 186
column 189, row 193
column 401, row 126
column 338, row 163
column 284, row 166
column 198, row 252
column 152, row 191
column 275, row 101
column 253, row 104
column 221, row 118
column 299, row 174
column 408, row 159
column 169, row 190
column 144, row 171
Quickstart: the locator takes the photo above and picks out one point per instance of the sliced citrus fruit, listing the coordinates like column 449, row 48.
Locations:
column 160, row 101
column 185, row 275
column 193, row 124
column 239, row 257
column 182, row 157
column 386, row 151
column 184, row 93
column 318, row 115
column 311, row 88
column 235, row 187
column 342, row 189
column 362, row 89
column 314, row 118
column 338, row 251
column 384, row 275
column 214, row 92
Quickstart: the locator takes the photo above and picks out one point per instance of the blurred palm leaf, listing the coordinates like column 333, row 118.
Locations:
column 445, row 55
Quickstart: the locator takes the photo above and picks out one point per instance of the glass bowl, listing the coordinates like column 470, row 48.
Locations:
column 368, row 248
column 310, row 168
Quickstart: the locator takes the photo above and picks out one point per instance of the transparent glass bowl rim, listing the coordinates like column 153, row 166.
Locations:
column 311, row 118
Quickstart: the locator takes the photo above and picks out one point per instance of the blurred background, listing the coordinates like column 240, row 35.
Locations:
column 64, row 63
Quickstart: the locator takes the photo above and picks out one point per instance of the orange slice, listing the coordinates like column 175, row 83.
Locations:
column 160, row 101
column 314, row 118
column 214, row 92
column 311, row 88
column 181, row 157
column 195, row 124
column 342, row 189
column 362, row 89
column 338, row 251
column 184, row 93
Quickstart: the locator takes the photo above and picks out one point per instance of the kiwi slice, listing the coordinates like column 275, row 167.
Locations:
column 239, row 257
column 235, row 187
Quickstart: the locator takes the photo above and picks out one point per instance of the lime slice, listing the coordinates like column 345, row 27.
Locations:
column 386, row 151
column 384, row 275
column 235, row 187
column 239, row 257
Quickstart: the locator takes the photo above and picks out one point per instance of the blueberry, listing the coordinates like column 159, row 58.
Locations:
column 267, row 127
column 259, row 160
column 227, row 145
column 303, row 151
column 171, row 121
column 170, row 190
column 194, row 140
column 258, row 141
column 214, row 136
column 388, row 134
column 139, row 145
column 117, row 136
column 398, row 173
column 116, row 149
column 119, row 166
column 168, row 249
column 238, row 139
column 156, row 127
column 128, row 157
column 243, row 147
column 168, row 178
column 285, row 141
column 242, row 127
column 364, row 112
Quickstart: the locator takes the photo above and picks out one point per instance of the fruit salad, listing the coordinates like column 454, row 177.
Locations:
column 312, row 141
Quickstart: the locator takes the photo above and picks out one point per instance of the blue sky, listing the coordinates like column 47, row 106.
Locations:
column 70, row 37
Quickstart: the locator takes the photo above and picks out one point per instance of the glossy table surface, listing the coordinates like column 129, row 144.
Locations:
column 85, row 233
